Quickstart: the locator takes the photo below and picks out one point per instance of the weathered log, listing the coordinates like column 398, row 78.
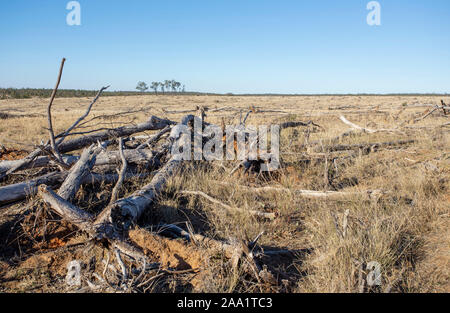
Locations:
column 122, row 173
column 137, row 157
column 126, row 211
column 66, row 210
column 20, row 191
column 368, row 130
column 18, row 166
column 154, row 123
column 309, row 194
column 79, row 171
column 297, row 124
column 83, row 220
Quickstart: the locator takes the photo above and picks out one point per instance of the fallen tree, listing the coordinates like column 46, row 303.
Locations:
column 133, row 156
column 21, row 191
column 154, row 123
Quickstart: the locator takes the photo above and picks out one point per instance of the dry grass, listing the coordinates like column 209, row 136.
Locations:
column 405, row 229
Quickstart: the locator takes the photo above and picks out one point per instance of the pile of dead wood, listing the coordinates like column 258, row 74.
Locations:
column 103, row 152
column 95, row 157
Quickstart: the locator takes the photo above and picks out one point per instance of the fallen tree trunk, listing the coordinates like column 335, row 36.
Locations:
column 66, row 210
column 126, row 211
column 133, row 156
column 20, row 191
column 83, row 220
column 309, row 194
column 79, row 171
column 297, row 124
column 154, row 123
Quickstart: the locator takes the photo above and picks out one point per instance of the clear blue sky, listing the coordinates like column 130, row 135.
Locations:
column 239, row 46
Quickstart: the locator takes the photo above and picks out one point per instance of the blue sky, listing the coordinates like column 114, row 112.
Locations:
column 239, row 46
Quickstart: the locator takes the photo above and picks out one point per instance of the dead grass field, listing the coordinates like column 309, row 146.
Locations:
column 405, row 228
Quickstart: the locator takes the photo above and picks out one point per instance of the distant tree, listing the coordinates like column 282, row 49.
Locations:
column 155, row 86
column 142, row 86
column 184, row 88
column 174, row 85
column 177, row 86
column 161, row 84
column 167, row 84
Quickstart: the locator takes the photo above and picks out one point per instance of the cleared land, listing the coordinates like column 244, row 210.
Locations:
column 393, row 208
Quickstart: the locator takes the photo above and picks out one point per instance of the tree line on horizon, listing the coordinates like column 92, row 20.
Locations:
column 28, row 93
column 167, row 85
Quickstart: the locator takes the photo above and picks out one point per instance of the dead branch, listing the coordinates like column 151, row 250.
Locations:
column 367, row 130
column 84, row 221
column 63, row 135
column 81, row 169
column 126, row 211
column 270, row 216
column 122, row 267
column 154, row 123
column 49, row 114
column 136, row 157
column 297, row 124
column 426, row 115
column 115, row 192
column 310, row 194
column 444, row 107
column 111, row 116
column 66, row 210
column 20, row 191
column 155, row 138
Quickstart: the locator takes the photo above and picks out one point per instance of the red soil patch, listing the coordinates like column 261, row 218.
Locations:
column 11, row 154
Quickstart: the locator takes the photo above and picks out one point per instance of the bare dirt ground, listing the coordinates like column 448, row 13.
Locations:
column 395, row 210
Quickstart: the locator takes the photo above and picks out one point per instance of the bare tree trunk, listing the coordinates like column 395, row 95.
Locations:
column 141, row 156
column 66, row 210
column 126, row 211
column 79, row 171
column 154, row 123
column 21, row 191
column 115, row 192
